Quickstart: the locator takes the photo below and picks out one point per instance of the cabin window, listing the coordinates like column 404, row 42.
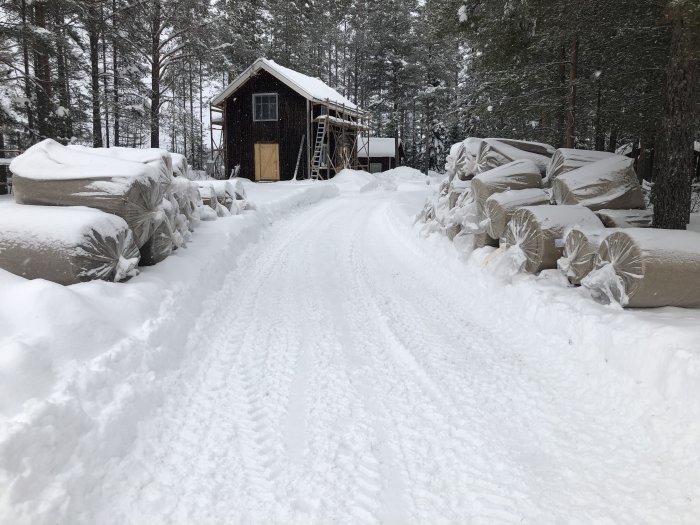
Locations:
column 264, row 107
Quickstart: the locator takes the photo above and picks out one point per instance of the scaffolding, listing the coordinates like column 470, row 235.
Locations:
column 337, row 145
column 215, row 166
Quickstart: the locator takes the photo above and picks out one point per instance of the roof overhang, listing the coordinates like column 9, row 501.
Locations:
column 261, row 64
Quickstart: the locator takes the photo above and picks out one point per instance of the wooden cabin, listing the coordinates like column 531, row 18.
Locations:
column 278, row 124
column 380, row 153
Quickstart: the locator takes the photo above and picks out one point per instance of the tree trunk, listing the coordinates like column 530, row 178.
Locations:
column 94, row 40
column 25, row 57
column 155, row 75
column 570, row 136
column 43, row 74
column 674, row 144
column 599, row 131
column 115, row 73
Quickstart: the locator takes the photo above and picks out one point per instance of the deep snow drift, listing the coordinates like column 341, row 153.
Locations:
column 330, row 365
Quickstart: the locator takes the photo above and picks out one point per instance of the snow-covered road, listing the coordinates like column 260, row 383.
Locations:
column 340, row 375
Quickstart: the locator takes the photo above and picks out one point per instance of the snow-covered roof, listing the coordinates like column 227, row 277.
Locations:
column 378, row 147
column 308, row 87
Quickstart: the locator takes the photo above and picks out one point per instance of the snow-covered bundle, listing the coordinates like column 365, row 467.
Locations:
column 51, row 174
column 500, row 207
column 540, row 148
column 538, row 232
column 180, row 166
column 466, row 242
column 66, row 245
column 607, row 184
column 456, row 151
column 159, row 246
column 223, row 191
column 160, row 159
column 580, row 252
column 515, row 175
column 567, row 159
column 186, row 194
column 494, row 153
column 646, row 268
column 626, row 218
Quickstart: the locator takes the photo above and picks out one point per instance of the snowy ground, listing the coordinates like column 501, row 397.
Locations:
column 329, row 365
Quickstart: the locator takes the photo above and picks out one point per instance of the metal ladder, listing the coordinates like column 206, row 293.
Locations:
column 318, row 150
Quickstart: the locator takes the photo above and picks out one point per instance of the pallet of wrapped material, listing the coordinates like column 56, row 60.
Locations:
column 54, row 175
column 500, row 207
column 516, row 175
column 647, row 268
column 607, row 184
column 580, row 252
column 626, row 218
column 539, row 232
column 494, row 153
column 66, row 245
column 565, row 160
column 540, row 148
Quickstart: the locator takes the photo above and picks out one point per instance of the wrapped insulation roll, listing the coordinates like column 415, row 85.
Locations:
column 580, row 252
column 567, row 159
column 516, row 175
column 626, row 218
column 500, row 207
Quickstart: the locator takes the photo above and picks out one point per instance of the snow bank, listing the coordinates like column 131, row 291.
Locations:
column 349, row 180
column 80, row 364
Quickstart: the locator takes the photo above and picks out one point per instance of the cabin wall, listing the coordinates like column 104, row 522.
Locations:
column 242, row 133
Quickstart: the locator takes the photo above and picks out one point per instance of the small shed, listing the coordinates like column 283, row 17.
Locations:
column 381, row 153
column 278, row 124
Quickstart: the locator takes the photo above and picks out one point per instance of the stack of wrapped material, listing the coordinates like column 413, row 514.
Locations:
column 644, row 268
column 500, row 207
column 494, row 153
column 567, row 159
column 580, row 252
column 538, row 231
column 51, row 174
column 516, row 175
column 66, row 245
column 607, row 184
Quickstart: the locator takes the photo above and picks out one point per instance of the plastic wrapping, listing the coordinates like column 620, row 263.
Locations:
column 159, row 246
column 186, row 193
column 516, row 175
column 580, row 251
column 645, row 268
column 208, row 194
column 500, row 207
column 539, row 232
column 180, row 166
column 607, row 184
column 51, row 174
column 567, row 159
column 540, row 148
column 66, row 245
column 626, row 218
column 494, row 153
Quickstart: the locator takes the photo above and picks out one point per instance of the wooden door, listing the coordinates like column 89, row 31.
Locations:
column 267, row 162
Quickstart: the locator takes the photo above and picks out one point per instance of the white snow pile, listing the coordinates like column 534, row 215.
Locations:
column 349, row 180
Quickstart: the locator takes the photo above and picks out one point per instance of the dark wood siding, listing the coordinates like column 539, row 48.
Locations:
column 242, row 133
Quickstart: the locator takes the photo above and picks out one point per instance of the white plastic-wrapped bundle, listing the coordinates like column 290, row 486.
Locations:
column 516, row 175
column 159, row 246
column 607, row 184
column 494, row 153
column 224, row 191
column 180, row 166
column 538, row 231
column 66, row 245
column 645, row 268
column 456, row 151
column 500, row 207
column 540, row 148
column 626, row 218
column 567, row 159
column 580, row 252
column 51, row 174
column 186, row 194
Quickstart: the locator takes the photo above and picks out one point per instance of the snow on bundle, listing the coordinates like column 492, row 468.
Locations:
column 538, row 231
column 539, row 148
column 580, row 252
column 51, row 174
column 516, row 175
column 223, row 191
column 645, row 268
column 160, row 159
column 461, row 162
column 607, row 184
column 494, row 153
column 180, row 166
column 500, row 207
column 626, row 218
column 186, row 194
column 66, row 245
column 566, row 159
column 208, row 194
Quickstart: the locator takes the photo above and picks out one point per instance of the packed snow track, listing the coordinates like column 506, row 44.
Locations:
column 341, row 375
